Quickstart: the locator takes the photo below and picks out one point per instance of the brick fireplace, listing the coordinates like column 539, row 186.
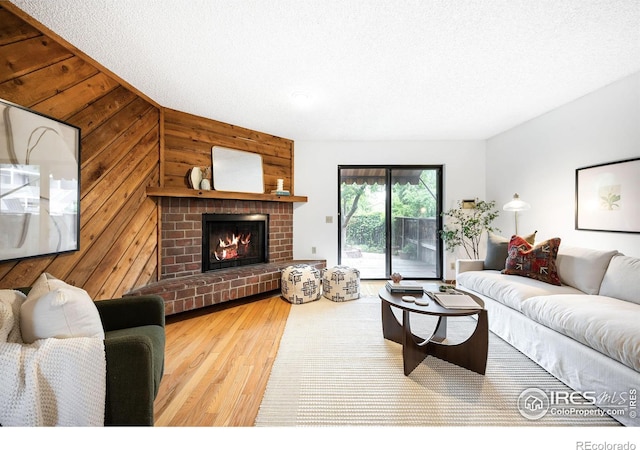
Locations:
column 184, row 286
column 182, row 230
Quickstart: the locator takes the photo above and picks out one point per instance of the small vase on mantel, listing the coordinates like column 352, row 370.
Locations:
column 205, row 184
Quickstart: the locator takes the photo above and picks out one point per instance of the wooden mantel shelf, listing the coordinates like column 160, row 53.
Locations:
column 193, row 193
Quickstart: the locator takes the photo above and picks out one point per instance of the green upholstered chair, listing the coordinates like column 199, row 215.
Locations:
column 134, row 346
column 134, row 349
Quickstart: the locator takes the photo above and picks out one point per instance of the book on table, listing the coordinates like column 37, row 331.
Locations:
column 404, row 287
column 456, row 301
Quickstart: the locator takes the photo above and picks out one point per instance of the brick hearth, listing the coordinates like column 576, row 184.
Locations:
column 183, row 285
column 210, row 288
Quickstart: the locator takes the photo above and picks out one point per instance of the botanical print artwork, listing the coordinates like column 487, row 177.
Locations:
column 608, row 197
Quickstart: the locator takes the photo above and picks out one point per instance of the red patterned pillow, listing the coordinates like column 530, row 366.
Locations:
column 537, row 262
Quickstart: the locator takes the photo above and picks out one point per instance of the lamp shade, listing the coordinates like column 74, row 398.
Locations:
column 516, row 204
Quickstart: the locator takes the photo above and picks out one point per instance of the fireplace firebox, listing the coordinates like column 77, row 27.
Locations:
column 232, row 240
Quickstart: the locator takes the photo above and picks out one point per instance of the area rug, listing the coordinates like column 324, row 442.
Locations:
column 334, row 368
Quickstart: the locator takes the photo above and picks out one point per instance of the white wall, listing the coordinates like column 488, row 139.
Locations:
column 538, row 160
column 316, row 176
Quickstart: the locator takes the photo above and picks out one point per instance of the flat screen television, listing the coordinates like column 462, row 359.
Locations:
column 39, row 184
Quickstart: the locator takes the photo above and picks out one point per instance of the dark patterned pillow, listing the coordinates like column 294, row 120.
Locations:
column 537, row 262
column 498, row 250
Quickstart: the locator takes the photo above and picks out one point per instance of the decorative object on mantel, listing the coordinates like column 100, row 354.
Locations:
column 237, row 171
column 608, row 197
column 194, row 177
column 280, row 190
column 205, row 184
column 516, row 205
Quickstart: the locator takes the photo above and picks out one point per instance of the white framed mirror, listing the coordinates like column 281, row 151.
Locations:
column 237, row 170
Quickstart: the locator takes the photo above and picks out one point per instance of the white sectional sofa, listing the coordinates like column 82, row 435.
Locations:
column 585, row 332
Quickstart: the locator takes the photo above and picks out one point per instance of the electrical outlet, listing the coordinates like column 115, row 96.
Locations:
column 313, row 250
column 328, row 219
column 452, row 266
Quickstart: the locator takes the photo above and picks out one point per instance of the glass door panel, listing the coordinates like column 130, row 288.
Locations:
column 363, row 233
column 414, row 223
column 389, row 217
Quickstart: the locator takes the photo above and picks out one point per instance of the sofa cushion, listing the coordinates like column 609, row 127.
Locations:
column 498, row 250
column 622, row 279
column 603, row 323
column 508, row 290
column 583, row 268
column 537, row 262
column 54, row 309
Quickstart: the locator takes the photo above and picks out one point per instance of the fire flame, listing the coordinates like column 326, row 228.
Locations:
column 230, row 248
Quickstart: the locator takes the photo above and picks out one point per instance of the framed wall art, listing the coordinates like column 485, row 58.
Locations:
column 608, row 197
column 39, row 184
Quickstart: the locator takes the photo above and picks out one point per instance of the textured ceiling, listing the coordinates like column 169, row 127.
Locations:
column 365, row 69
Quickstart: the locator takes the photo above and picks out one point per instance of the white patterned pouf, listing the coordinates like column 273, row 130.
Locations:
column 300, row 284
column 341, row 283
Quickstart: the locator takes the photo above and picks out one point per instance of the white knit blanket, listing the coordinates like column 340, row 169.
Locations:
column 52, row 382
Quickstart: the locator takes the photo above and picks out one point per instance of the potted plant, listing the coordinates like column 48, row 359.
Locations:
column 465, row 226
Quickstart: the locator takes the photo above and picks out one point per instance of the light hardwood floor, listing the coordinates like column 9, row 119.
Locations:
column 218, row 361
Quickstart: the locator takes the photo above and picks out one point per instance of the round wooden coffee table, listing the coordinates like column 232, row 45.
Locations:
column 470, row 354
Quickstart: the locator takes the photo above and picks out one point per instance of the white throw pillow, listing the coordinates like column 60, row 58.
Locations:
column 622, row 279
column 583, row 268
column 54, row 309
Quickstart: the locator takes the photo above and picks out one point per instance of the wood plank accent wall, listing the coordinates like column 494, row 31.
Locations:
column 120, row 157
column 129, row 142
column 188, row 142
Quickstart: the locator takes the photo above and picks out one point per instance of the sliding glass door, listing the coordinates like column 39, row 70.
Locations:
column 389, row 220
